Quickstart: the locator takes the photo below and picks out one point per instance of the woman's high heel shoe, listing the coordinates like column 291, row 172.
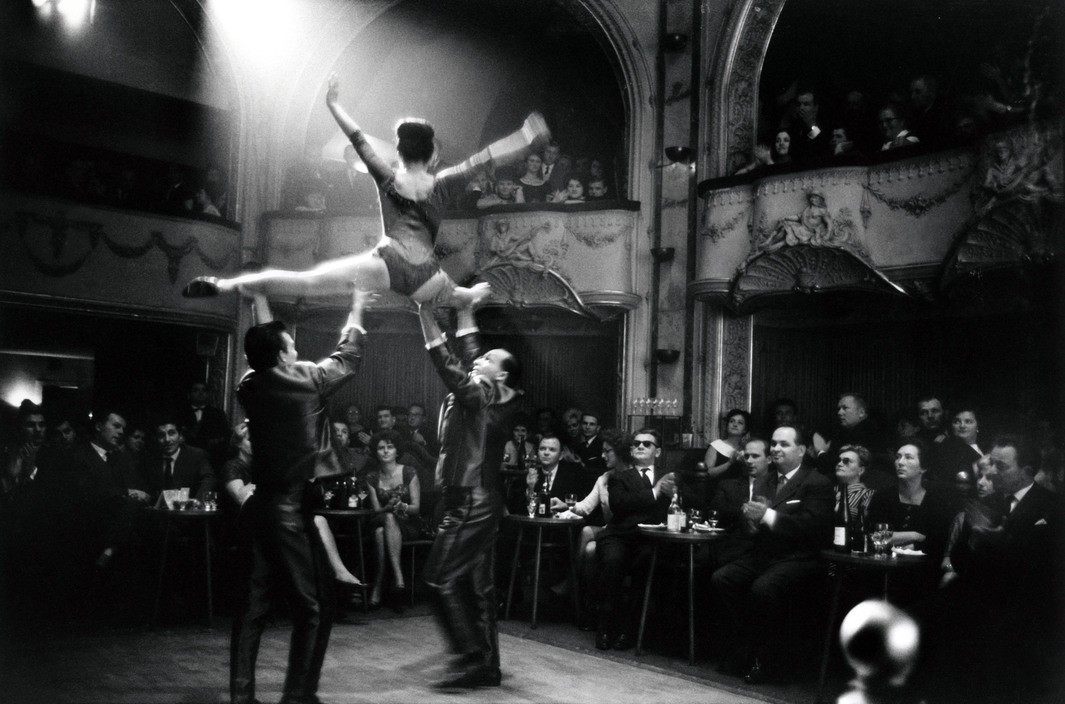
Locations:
column 201, row 287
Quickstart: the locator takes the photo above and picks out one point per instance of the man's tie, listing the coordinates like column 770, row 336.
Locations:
column 168, row 473
column 646, row 472
column 1013, row 504
column 108, row 456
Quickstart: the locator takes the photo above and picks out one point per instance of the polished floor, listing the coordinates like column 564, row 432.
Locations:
column 377, row 659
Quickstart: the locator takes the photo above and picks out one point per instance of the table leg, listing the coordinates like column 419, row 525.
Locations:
column 646, row 598
column 832, row 610
column 691, row 603
column 362, row 566
column 536, row 574
column 573, row 545
column 513, row 571
column 207, row 564
column 162, row 573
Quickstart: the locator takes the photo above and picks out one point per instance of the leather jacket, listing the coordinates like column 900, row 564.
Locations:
column 474, row 426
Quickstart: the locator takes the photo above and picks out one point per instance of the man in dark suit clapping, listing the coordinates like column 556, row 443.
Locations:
column 638, row 494
column 790, row 514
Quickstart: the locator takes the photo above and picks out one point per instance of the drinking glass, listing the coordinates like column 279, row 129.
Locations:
column 571, row 501
column 695, row 516
column 210, row 500
column 531, row 498
column 712, row 518
column 881, row 540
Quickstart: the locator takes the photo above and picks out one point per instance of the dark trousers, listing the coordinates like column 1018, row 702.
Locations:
column 619, row 555
column 757, row 588
column 287, row 554
column 460, row 568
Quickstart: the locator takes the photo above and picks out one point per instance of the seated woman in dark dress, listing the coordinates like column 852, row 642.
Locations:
column 395, row 494
column 961, row 449
column 919, row 512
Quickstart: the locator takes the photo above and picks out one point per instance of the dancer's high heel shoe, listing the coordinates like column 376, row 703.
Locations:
column 201, row 287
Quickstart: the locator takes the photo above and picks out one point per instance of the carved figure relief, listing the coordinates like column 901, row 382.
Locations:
column 814, row 226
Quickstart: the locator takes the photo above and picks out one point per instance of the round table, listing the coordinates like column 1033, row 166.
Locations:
column 353, row 515
column 863, row 562
column 659, row 536
column 539, row 523
column 190, row 516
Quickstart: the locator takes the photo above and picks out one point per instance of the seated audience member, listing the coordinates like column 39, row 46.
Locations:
column 589, row 446
column 202, row 204
column 596, row 508
column 506, row 192
column 856, row 427
column 236, row 480
column 597, row 190
column 931, row 416
column 854, row 461
column 781, row 153
column 175, row 465
column 352, row 461
column 556, row 477
column 555, row 168
column 638, row 494
column 1004, row 613
column 20, row 459
column 203, row 425
column 532, row 186
column 421, row 432
column 236, row 472
column 395, row 494
column 410, row 453
column 841, row 142
column 64, row 434
column 135, row 441
column 893, row 128
column 790, row 515
column 519, row 446
column 961, row 450
column 762, row 158
column 859, row 120
column 929, row 116
column 476, row 189
column 983, row 503
column 356, row 430
column 723, row 457
column 785, row 412
column 809, row 139
column 573, row 193
column 729, row 499
column 907, row 427
column 109, row 490
column 546, row 422
column 918, row 511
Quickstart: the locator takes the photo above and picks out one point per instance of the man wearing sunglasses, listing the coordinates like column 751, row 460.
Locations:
column 638, row 494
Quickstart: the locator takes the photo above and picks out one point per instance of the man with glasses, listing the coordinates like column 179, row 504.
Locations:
column 638, row 494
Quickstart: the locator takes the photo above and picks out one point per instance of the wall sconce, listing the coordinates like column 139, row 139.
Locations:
column 666, row 356
column 675, row 156
column 674, row 42
column 661, row 255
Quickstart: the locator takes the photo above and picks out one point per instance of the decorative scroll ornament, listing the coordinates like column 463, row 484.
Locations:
column 529, row 286
column 61, row 229
column 1018, row 216
column 805, row 269
column 716, row 233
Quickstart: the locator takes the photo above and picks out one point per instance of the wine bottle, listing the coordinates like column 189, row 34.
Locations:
column 675, row 516
column 840, row 541
column 856, row 536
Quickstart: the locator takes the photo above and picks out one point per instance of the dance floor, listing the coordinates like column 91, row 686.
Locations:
column 376, row 660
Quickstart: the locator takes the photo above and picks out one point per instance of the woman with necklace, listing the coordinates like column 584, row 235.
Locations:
column 395, row 495
column 723, row 453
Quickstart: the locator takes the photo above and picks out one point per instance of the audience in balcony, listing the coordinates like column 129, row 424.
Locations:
column 532, row 186
column 809, row 136
column 506, row 192
column 597, row 190
column 762, row 157
column 574, row 192
column 781, row 147
column 893, row 128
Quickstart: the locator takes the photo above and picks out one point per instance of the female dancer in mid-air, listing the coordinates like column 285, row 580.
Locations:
column 403, row 261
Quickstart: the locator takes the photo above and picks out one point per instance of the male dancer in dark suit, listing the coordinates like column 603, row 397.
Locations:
column 638, row 494
column 285, row 401
column 790, row 514
column 474, row 428
column 176, row 464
